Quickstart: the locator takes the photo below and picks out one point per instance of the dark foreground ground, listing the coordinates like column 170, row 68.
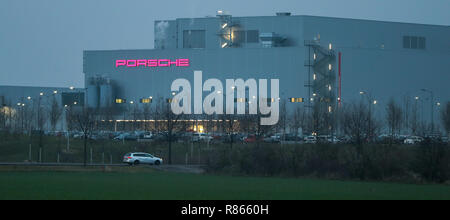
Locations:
column 148, row 183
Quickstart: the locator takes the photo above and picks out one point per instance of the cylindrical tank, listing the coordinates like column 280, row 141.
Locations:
column 92, row 94
column 105, row 95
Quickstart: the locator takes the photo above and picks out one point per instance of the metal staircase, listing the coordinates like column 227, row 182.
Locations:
column 321, row 85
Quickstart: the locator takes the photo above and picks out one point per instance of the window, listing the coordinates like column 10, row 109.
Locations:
column 239, row 37
column 421, row 43
column 296, row 100
column 414, row 42
column 253, row 36
column 194, row 39
column 146, row 101
column 121, row 101
column 240, row 100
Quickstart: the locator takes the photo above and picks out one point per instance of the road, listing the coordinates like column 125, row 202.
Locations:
column 169, row 168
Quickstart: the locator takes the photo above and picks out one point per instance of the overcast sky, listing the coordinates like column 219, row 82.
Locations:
column 42, row 41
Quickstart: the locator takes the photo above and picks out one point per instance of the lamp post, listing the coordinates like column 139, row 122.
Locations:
column 432, row 107
column 370, row 102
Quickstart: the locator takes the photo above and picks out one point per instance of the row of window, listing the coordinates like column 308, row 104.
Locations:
column 414, row 42
column 149, row 100
column 197, row 38
column 250, row 36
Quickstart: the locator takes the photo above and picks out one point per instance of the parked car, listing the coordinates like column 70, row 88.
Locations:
column 272, row 139
column 147, row 135
column 413, row 140
column 141, row 158
column 201, row 137
column 252, row 139
column 310, row 140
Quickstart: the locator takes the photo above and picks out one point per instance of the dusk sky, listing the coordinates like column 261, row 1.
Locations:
column 42, row 41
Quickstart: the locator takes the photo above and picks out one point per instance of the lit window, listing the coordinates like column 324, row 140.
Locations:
column 146, row 101
column 240, row 100
column 121, row 101
column 296, row 100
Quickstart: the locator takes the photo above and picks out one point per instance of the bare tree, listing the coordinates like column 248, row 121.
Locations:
column 55, row 113
column 85, row 119
column 298, row 119
column 445, row 116
column 171, row 121
column 356, row 123
column 394, row 118
column 229, row 126
column 414, row 123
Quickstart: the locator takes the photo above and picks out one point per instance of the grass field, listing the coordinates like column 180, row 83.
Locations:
column 149, row 184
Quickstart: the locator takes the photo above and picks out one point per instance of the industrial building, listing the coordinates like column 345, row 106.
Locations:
column 330, row 61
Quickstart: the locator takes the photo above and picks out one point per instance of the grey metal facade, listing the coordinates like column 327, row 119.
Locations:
column 384, row 59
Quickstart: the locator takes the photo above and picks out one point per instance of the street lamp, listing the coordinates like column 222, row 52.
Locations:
column 432, row 107
column 370, row 101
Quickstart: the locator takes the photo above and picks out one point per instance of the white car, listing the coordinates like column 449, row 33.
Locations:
column 310, row 140
column 413, row 140
column 141, row 158
column 201, row 137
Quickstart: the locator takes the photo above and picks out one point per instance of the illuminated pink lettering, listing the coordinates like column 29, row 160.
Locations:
column 120, row 63
column 131, row 63
column 153, row 63
column 142, row 63
column 160, row 63
column 183, row 62
column 173, row 63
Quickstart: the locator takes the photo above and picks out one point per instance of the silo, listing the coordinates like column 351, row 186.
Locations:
column 105, row 94
column 92, row 93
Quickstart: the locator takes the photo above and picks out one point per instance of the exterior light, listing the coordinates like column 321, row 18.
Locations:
column 375, row 102
column 224, row 45
column 65, row 106
column 417, row 97
column 23, row 104
column 74, row 103
column 41, row 94
column 254, row 97
column 315, row 56
column 314, row 76
column 362, row 93
column 55, row 92
column 131, row 102
column 329, row 87
column 173, row 93
column 438, row 104
column 314, row 94
column 71, row 88
column 224, row 25
column 29, row 97
column 151, row 97
column 19, row 104
column 329, row 67
column 232, row 87
column 218, row 92
column 330, row 46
